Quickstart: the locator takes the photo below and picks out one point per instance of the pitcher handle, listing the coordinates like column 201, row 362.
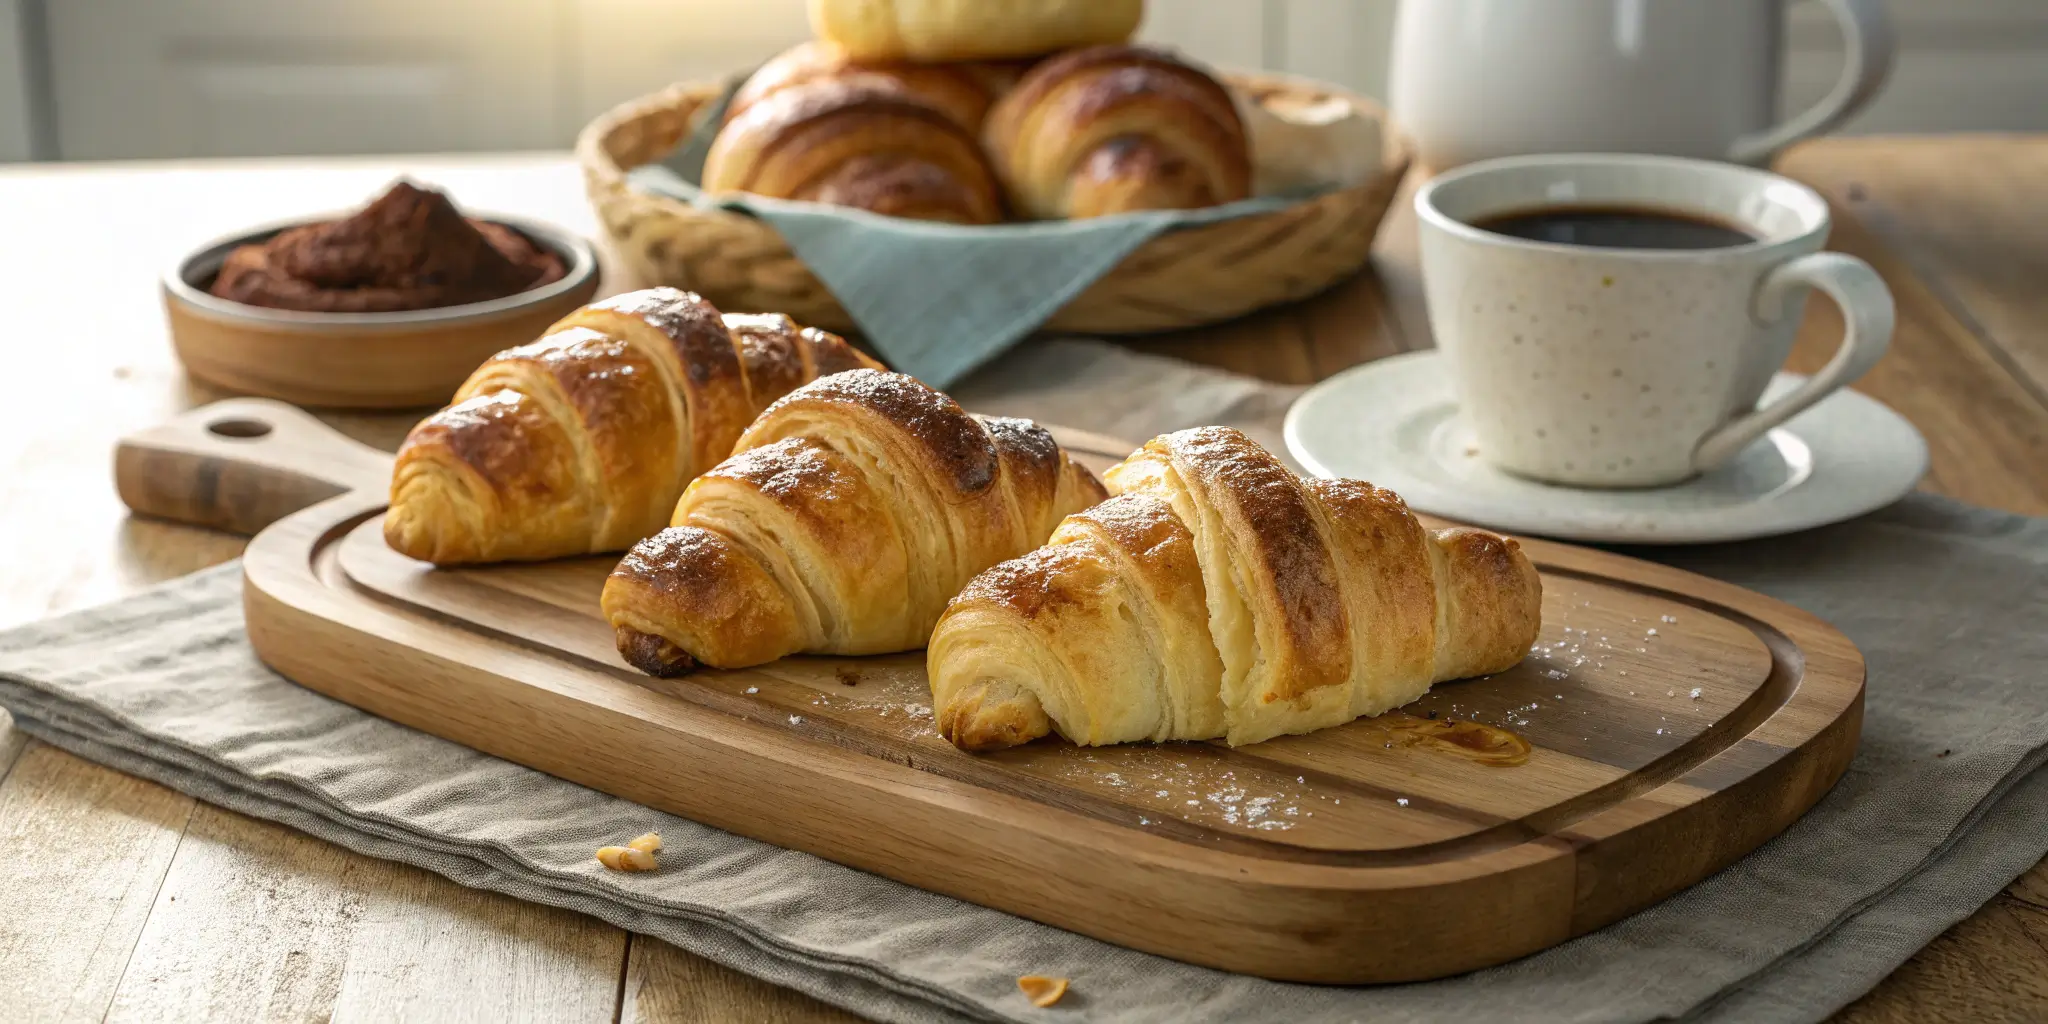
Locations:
column 1867, row 29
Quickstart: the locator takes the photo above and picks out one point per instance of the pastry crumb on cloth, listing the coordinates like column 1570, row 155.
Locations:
column 1041, row 990
column 637, row 855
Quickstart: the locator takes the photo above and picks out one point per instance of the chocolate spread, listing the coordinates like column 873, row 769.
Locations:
column 409, row 249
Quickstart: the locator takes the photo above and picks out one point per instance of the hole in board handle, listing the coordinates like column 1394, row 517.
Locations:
column 239, row 429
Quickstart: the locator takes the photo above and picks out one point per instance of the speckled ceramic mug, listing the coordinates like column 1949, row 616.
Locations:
column 1608, row 367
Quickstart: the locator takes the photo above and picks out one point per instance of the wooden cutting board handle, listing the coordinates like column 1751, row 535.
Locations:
column 242, row 464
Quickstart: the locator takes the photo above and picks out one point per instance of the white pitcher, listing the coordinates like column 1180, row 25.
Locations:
column 1474, row 79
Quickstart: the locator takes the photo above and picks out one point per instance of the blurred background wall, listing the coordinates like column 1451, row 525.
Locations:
column 109, row 79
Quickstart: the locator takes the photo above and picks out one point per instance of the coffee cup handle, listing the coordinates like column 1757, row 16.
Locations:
column 1871, row 43
column 1867, row 312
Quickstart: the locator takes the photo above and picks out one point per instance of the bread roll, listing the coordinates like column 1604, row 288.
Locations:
column 1111, row 129
column 933, row 30
column 1219, row 595
column 849, row 514
column 863, row 142
column 963, row 90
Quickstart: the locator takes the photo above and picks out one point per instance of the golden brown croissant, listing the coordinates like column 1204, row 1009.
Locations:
column 1111, row 129
column 581, row 441
column 865, row 142
column 1221, row 595
column 928, row 30
column 963, row 90
column 853, row 509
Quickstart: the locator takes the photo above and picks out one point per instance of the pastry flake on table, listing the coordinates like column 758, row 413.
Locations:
column 851, row 511
column 581, row 441
column 1043, row 991
column 409, row 249
column 1221, row 596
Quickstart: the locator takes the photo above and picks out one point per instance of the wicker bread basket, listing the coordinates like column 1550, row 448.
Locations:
column 1183, row 278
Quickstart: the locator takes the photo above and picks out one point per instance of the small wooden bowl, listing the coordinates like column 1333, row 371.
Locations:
column 359, row 360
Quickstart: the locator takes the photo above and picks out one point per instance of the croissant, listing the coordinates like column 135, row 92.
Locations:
column 851, row 511
column 1220, row 595
column 1112, row 129
column 863, row 141
column 927, row 30
column 581, row 441
column 962, row 91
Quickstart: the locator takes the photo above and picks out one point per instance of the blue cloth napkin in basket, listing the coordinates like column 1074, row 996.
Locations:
column 936, row 300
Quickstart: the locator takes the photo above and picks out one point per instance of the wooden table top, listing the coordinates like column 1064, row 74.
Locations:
column 122, row 899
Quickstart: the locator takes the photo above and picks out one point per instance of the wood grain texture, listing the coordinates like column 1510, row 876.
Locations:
column 1935, row 201
column 1966, row 215
column 1676, row 723
column 257, row 922
column 665, row 985
column 85, row 849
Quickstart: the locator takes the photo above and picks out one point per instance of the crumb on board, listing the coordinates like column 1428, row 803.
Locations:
column 847, row 676
column 1041, row 990
column 637, row 855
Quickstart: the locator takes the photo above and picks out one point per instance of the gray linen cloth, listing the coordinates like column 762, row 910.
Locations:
column 1939, row 811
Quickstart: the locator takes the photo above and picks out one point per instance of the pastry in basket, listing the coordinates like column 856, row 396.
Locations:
column 851, row 512
column 581, row 441
column 865, row 142
column 962, row 90
column 1111, row 129
column 933, row 30
column 1219, row 595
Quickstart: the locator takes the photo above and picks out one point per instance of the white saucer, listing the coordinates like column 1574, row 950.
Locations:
column 1394, row 422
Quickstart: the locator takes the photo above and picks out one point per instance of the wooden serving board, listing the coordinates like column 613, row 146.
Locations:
column 1665, row 725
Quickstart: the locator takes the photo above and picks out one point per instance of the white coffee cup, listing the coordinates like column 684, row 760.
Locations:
column 1476, row 79
column 1610, row 367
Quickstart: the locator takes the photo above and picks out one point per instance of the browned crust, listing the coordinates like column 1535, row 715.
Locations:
column 1135, row 173
column 962, row 91
column 652, row 654
column 1120, row 84
column 897, row 186
column 713, row 376
column 1385, row 551
column 513, row 446
column 1032, row 461
column 769, row 125
column 1088, row 487
column 770, row 355
column 1148, row 532
column 1049, row 73
column 798, row 140
column 959, row 449
column 1264, row 507
column 827, row 496
column 1496, row 599
column 619, row 396
column 964, row 723
column 728, row 611
column 830, row 354
column 1031, row 585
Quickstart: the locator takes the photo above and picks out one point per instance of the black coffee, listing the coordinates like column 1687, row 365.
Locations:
column 1616, row 227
